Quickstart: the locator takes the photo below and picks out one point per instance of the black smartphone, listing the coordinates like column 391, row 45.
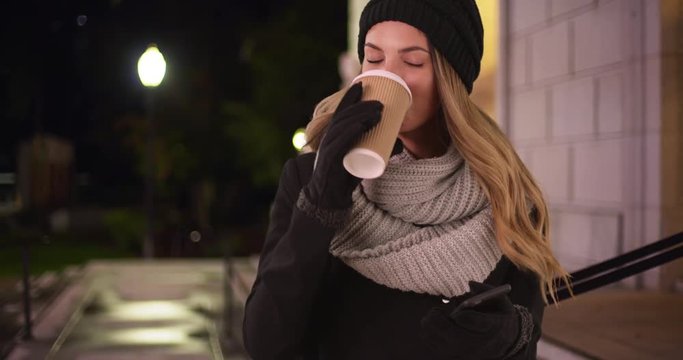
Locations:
column 480, row 298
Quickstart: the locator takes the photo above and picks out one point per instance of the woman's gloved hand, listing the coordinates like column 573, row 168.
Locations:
column 486, row 331
column 331, row 186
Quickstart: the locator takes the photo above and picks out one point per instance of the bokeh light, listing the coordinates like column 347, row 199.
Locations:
column 299, row 139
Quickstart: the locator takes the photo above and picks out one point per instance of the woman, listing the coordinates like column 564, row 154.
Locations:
column 373, row 270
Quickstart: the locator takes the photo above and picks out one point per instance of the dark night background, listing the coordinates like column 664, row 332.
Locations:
column 242, row 76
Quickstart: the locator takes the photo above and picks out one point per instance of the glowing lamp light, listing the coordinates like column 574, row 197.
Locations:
column 299, row 139
column 151, row 67
column 149, row 310
column 151, row 336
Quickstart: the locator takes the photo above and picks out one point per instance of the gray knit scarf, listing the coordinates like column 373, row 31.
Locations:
column 424, row 226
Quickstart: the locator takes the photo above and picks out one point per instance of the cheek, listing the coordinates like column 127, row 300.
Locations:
column 425, row 99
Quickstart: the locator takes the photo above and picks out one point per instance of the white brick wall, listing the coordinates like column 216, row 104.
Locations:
column 653, row 104
column 610, row 104
column 550, row 166
column 528, row 115
column 550, row 52
column 518, row 56
column 571, row 239
column 598, row 172
column 652, row 28
column 599, row 36
column 605, row 233
column 559, row 7
column 526, row 13
column 582, row 239
column 584, row 111
column 653, row 154
column 573, row 108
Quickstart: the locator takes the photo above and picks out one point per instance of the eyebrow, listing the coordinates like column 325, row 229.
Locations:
column 405, row 50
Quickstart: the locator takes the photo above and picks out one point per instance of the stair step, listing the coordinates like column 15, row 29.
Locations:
column 551, row 350
column 678, row 286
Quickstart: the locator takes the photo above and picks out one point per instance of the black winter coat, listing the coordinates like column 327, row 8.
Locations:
column 307, row 304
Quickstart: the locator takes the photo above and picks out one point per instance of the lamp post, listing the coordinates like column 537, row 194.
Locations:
column 151, row 70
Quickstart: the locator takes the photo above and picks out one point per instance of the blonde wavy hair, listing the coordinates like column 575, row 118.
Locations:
column 520, row 213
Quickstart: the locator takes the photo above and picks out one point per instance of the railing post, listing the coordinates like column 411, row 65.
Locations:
column 25, row 264
column 228, row 300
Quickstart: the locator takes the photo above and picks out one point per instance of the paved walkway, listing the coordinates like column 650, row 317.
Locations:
column 135, row 310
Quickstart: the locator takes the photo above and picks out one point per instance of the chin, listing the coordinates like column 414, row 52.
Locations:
column 410, row 124
column 405, row 128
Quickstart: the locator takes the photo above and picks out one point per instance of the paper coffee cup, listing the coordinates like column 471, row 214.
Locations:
column 369, row 158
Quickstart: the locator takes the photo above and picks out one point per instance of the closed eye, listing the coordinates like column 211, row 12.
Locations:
column 406, row 62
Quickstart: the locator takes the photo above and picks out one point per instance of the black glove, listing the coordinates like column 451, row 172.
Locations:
column 331, row 186
column 486, row 331
column 398, row 147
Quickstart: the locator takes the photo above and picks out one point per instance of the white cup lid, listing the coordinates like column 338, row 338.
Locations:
column 386, row 74
column 363, row 163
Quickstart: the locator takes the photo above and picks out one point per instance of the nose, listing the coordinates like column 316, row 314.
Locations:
column 393, row 65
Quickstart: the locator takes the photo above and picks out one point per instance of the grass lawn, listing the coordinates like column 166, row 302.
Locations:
column 53, row 256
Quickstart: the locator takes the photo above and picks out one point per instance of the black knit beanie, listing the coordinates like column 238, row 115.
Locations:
column 452, row 26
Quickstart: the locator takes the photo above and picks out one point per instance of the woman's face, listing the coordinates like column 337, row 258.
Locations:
column 402, row 49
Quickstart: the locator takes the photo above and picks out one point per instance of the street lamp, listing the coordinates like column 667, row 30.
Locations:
column 151, row 70
column 151, row 67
